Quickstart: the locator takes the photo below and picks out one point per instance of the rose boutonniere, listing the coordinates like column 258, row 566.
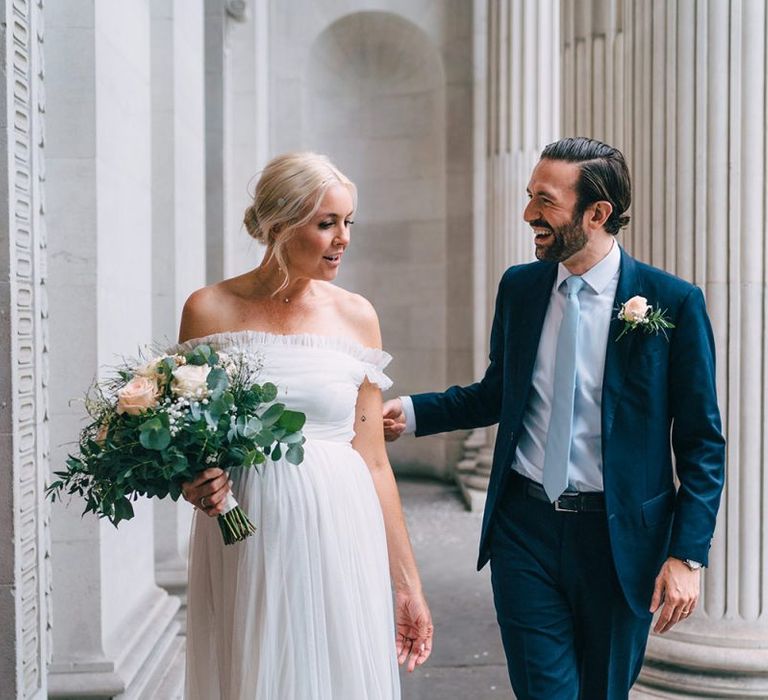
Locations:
column 638, row 313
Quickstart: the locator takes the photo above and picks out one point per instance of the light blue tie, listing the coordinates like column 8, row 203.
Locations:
column 558, row 448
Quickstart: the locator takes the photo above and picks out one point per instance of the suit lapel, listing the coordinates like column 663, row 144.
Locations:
column 530, row 321
column 617, row 354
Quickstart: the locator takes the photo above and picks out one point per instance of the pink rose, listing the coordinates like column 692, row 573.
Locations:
column 635, row 310
column 137, row 396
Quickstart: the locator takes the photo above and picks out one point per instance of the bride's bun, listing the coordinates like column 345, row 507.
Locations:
column 289, row 193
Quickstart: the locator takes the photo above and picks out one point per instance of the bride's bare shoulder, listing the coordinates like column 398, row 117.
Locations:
column 210, row 309
column 359, row 315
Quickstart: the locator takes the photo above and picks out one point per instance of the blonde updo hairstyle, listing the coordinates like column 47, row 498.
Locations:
column 287, row 196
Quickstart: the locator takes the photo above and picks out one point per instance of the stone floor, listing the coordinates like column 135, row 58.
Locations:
column 467, row 662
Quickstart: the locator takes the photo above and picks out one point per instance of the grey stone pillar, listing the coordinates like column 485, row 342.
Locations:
column 679, row 87
column 517, row 108
column 23, row 357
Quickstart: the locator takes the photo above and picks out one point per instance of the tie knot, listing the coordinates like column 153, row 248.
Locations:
column 573, row 284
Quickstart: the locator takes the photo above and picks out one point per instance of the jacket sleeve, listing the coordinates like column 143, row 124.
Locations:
column 697, row 440
column 473, row 406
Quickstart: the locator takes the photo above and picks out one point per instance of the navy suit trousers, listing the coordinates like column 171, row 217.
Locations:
column 567, row 629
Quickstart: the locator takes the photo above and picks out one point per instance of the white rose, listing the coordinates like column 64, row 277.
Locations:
column 635, row 309
column 189, row 381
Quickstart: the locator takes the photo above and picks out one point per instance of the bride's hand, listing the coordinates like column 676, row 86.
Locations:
column 413, row 629
column 208, row 491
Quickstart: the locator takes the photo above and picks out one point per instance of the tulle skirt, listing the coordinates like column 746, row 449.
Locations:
column 302, row 610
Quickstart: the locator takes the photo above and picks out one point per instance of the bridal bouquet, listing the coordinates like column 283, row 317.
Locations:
column 158, row 424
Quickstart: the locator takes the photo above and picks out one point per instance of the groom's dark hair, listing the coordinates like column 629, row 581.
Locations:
column 604, row 176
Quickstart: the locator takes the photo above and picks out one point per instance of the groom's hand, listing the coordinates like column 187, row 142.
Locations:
column 394, row 419
column 676, row 592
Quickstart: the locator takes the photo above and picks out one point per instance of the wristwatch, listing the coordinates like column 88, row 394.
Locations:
column 691, row 564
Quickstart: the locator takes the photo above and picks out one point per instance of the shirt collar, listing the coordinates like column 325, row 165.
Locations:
column 599, row 276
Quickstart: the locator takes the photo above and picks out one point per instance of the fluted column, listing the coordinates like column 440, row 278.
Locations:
column 517, row 108
column 24, row 577
column 686, row 102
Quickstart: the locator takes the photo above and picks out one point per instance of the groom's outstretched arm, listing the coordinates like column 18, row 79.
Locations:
column 473, row 406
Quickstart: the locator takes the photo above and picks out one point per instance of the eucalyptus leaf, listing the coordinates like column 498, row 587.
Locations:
column 237, row 455
column 272, row 414
column 155, row 439
column 293, row 439
column 199, row 356
column 253, row 427
column 292, row 421
column 277, row 452
column 223, row 403
column 217, row 381
column 268, row 392
column 265, row 438
column 295, row 454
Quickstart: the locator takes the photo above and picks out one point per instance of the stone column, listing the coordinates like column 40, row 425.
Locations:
column 23, row 358
column 679, row 87
column 178, row 219
column 246, row 126
column 113, row 629
column 517, row 107
column 236, row 128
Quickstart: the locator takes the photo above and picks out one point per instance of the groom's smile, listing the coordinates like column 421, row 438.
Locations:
column 552, row 210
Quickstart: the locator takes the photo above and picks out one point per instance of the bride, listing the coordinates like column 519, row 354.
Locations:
column 303, row 609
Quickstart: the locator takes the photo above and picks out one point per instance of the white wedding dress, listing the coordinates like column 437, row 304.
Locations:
column 302, row 610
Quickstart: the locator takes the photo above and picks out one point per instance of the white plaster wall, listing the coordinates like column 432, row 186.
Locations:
column 385, row 88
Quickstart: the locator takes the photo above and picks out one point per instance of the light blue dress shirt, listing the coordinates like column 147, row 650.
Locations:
column 597, row 300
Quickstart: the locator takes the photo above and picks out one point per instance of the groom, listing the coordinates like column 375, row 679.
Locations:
column 585, row 528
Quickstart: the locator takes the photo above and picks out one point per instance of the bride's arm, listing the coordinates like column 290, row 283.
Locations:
column 413, row 619
column 412, row 616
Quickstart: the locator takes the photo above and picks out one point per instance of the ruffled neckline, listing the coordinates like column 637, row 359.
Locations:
column 375, row 356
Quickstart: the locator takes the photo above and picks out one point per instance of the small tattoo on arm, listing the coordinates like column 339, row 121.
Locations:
column 362, row 418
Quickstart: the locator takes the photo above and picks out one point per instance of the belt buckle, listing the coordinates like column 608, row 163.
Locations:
column 567, row 503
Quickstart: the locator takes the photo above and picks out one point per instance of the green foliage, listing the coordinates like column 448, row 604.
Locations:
column 121, row 456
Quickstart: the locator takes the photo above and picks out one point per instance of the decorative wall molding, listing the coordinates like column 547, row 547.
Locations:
column 24, row 399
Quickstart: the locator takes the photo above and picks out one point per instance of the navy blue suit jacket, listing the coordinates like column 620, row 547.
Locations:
column 659, row 397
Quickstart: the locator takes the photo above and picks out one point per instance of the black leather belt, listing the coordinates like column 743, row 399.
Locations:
column 569, row 502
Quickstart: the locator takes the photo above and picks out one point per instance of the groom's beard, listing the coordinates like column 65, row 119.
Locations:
column 566, row 240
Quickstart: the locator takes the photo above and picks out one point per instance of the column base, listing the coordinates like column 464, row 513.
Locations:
column 473, row 497
column 473, row 474
column 703, row 666
column 147, row 664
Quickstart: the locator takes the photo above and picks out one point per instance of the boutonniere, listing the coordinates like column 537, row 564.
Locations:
column 638, row 313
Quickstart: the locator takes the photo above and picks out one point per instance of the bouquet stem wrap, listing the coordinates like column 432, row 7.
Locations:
column 234, row 524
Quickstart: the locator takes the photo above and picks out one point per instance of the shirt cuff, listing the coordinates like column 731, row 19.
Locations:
column 410, row 415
